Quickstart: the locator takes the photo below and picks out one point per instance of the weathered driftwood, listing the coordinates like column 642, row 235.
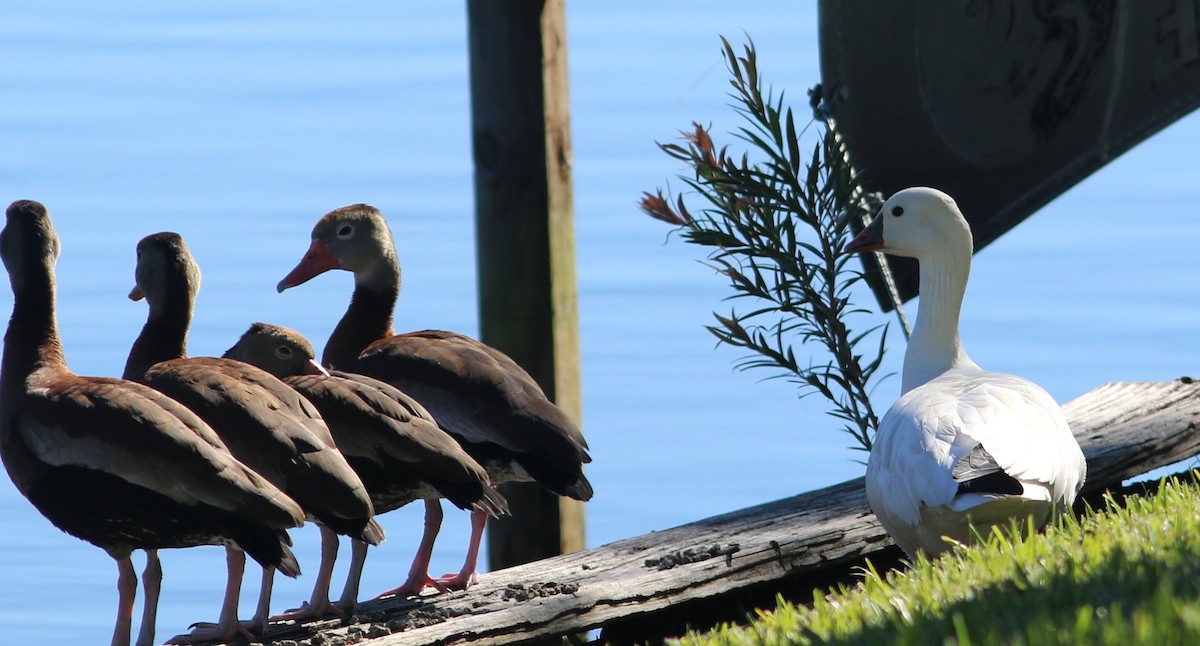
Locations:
column 1126, row 429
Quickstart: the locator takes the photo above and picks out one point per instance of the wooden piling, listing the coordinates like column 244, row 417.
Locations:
column 525, row 238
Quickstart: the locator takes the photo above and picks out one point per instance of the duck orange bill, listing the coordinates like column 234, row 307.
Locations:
column 869, row 239
column 136, row 294
column 317, row 261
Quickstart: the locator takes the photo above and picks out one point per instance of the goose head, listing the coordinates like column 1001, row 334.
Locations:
column 922, row 223
column 278, row 350
column 28, row 244
column 925, row 224
column 164, row 264
column 355, row 238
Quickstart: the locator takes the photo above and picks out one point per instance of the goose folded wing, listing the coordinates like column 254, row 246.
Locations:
column 1023, row 431
column 978, row 472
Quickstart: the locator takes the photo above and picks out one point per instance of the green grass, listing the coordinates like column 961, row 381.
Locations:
column 1117, row 576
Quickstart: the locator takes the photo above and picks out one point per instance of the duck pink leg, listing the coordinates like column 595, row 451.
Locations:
column 152, row 584
column 467, row 577
column 358, row 558
column 258, row 623
column 318, row 604
column 126, row 593
column 418, row 573
column 227, row 628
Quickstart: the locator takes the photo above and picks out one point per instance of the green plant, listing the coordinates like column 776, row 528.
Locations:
column 775, row 222
column 1121, row 575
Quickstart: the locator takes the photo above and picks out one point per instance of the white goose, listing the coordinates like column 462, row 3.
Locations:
column 962, row 446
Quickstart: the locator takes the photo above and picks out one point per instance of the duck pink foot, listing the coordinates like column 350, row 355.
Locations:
column 320, row 610
column 207, row 631
column 459, row 581
column 412, row 588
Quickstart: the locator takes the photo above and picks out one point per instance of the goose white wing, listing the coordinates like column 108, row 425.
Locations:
column 932, row 427
column 1025, row 431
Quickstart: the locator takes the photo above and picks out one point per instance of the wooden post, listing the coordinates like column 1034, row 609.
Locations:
column 525, row 238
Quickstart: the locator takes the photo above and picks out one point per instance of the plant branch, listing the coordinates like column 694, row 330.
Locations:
column 775, row 221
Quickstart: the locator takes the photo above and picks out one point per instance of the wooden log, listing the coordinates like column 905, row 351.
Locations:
column 525, row 237
column 1125, row 429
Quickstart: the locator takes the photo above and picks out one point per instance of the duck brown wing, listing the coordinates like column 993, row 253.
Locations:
column 388, row 432
column 484, row 399
column 306, row 429
column 274, row 432
column 120, row 469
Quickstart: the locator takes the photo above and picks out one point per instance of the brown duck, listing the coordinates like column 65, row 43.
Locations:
column 389, row 439
column 267, row 425
column 113, row 462
column 477, row 394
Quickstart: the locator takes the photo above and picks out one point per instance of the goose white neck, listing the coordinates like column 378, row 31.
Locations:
column 934, row 346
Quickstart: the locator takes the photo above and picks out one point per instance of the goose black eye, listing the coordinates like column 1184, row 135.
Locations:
column 345, row 231
column 284, row 352
column 897, row 211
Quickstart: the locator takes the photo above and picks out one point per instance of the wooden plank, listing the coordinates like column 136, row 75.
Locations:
column 1125, row 429
column 525, row 236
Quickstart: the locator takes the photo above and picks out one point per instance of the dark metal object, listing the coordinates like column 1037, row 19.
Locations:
column 1003, row 105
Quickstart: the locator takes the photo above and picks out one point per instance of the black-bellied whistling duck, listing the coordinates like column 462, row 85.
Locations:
column 476, row 393
column 113, row 462
column 265, row 423
column 389, row 439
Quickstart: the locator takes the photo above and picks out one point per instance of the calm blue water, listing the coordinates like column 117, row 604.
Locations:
column 238, row 124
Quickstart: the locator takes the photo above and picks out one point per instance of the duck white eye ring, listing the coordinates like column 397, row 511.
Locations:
column 897, row 211
column 345, row 231
column 283, row 352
